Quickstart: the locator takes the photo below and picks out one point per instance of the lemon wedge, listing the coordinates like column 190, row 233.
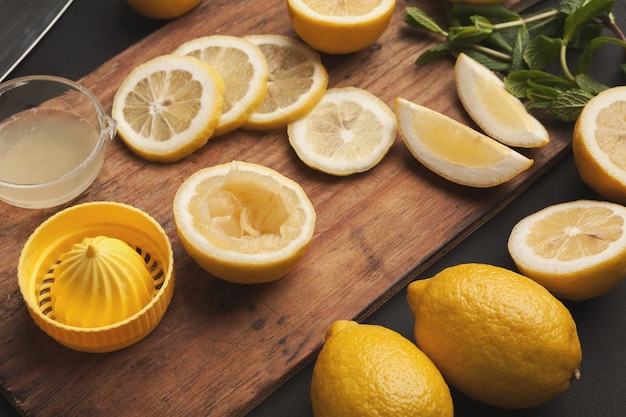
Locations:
column 242, row 67
column 454, row 150
column 497, row 112
column 243, row 222
column 168, row 107
column 349, row 131
column 297, row 81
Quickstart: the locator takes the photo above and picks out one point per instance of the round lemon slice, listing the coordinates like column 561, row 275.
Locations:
column 297, row 81
column 244, row 223
column 598, row 144
column 349, row 131
column 243, row 69
column 497, row 112
column 340, row 27
column 577, row 250
column 168, row 107
column 454, row 150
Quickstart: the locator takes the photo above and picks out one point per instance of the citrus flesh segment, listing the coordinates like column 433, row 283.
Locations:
column 599, row 144
column 495, row 335
column 168, row 107
column 454, row 150
column 369, row 370
column 340, row 27
column 349, row 131
column 243, row 69
column 243, row 222
column 577, row 250
column 297, row 81
column 497, row 112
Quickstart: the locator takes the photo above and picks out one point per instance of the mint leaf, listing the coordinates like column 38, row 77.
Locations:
column 590, row 84
column 418, row 19
column 487, row 60
column 467, row 35
column 589, row 10
column 434, row 53
column 541, row 52
column 517, row 55
column 584, row 63
column 518, row 82
column 567, row 106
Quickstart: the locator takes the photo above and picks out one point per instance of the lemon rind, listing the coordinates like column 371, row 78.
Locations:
column 466, row 69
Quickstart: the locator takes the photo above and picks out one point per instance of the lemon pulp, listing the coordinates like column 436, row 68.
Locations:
column 610, row 132
column 575, row 233
column 234, row 213
column 455, row 142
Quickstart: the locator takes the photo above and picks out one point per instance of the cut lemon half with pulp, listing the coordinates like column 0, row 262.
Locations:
column 349, row 131
column 577, row 250
column 297, row 81
column 168, row 107
column 454, row 150
column 243, row 69
column 599, row 145
column 340, row 27
column 244, row 223
column 497, row 112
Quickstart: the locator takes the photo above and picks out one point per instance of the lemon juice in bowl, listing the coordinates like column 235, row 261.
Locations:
column 53, row 134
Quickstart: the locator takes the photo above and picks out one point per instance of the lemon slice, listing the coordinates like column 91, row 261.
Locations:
column 349, row 131
column 575, row 249
column 297, row 81
column 243, row 222
column 455, row 151
column 339, row 27
column 243, row 69
column 497, row 112
column 598, row 144
column 168, row 107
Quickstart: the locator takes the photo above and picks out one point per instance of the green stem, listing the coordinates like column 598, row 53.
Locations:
column 492, row 52
column 540, row 16
column 564, row 67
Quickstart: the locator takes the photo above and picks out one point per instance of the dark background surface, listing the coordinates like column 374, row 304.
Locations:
column 92, row 32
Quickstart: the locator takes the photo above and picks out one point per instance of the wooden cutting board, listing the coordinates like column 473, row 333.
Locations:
column 221, row 348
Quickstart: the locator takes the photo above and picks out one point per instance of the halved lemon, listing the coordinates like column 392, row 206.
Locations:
column 243, row 69
column 297, row 81
column 577, row 250
column 454, row 150
column 163, row 9
column 243, row 222
column 349, row 131
column 340, row 27
column 599, row 144
column 498, row 113
column 168, row 107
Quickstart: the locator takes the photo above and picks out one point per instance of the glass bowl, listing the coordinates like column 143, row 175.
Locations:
column 53, row 135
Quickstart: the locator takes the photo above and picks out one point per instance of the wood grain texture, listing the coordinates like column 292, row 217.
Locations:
column 221, row 348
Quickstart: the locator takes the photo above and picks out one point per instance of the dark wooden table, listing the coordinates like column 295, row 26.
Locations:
column 91, row 33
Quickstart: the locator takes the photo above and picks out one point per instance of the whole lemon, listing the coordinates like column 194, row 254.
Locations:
column 163, row 9
column 366, row 370
column 495, row 335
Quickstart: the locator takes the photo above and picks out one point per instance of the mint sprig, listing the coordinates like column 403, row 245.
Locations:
column 533, row 51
